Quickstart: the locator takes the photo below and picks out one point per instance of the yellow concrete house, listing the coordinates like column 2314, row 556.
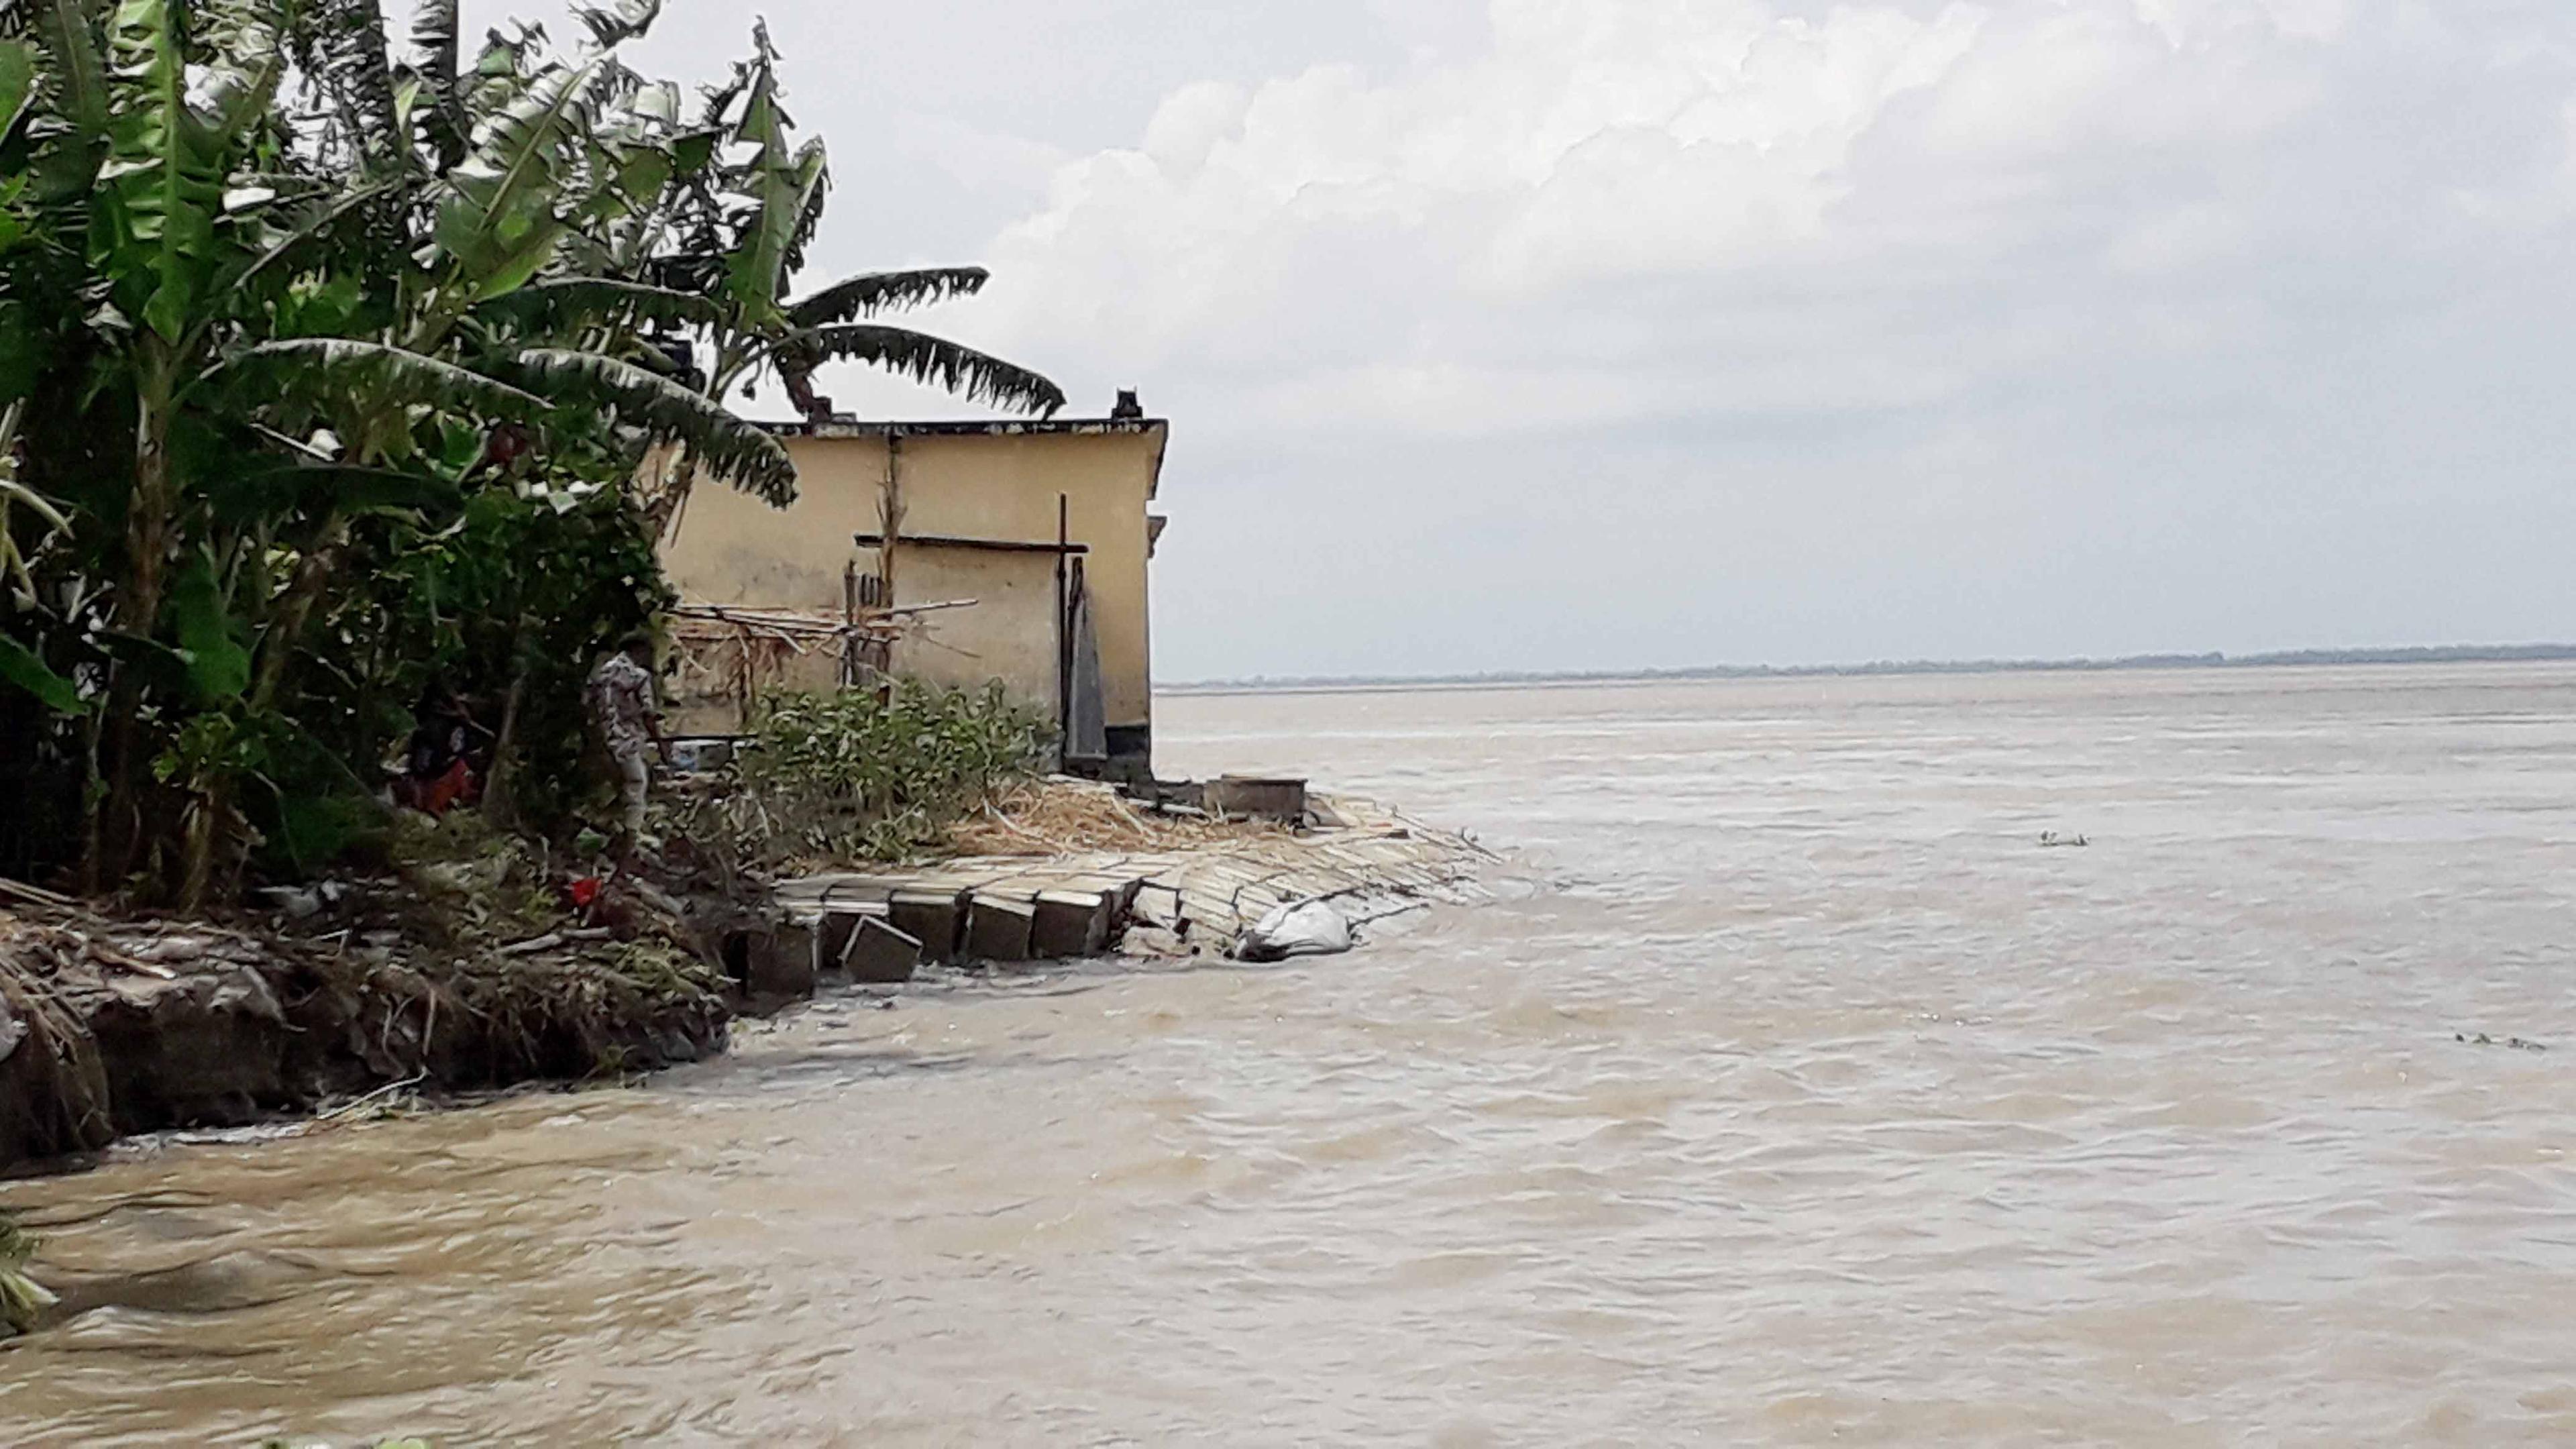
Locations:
column 962, row 552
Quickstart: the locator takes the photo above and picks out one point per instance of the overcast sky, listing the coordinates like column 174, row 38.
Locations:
column 1607, row 333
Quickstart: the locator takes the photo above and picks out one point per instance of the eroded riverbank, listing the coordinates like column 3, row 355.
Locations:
column 111, row 1027
column 115, row 1027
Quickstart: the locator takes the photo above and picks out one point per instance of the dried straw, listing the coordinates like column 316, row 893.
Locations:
column 1061, row 817
column 71, row 1101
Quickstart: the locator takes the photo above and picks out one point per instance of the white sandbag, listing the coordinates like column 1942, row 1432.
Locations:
column 1299, row 928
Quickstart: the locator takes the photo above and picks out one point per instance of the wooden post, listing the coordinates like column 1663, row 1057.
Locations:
column 1063, row 631
column 850, row 623
column 890, row 518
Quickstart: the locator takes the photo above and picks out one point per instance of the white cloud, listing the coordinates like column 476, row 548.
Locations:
column 1324, row 233
column 2149, row 253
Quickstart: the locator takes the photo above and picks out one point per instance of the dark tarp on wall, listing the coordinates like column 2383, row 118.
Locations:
column 1086, row 731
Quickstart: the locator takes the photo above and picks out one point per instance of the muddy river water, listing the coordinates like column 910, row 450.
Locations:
column 1809, row 1100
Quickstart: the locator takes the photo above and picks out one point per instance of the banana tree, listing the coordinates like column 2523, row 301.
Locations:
column 20, row 665
column 551, row 151
column 139, row 192
column 268, row 296
column 513, row 159
column 732, row 238
column 196, row 253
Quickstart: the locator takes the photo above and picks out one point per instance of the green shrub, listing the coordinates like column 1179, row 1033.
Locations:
column 871, row 774
column 22, row 1299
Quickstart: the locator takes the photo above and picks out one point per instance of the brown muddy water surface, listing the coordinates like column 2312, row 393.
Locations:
column 1812, row 1103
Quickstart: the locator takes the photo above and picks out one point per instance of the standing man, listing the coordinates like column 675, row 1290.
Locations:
column 620, row 696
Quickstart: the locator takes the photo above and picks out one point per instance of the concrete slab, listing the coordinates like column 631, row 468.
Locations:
column 880, row 955
column 998, row 929
column 1247, row 797
column 935, row 918
column 842, row 885
column 1071, row 923
column 791, row 938
column 771, row 965
column 833, row 930
column 1378, row 860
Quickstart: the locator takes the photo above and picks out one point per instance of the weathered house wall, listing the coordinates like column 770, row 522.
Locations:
column 1009, row 635
column 997, row 482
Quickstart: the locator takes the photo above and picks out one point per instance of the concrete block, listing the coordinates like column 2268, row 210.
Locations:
column 999, row 929
column 1071, row 923
column 832, row 934
column 791, row 938
column 880, row 955
column 935, row 918
column 785, row 976
column 771, row 967
column 837, row 927
column 1244, row 797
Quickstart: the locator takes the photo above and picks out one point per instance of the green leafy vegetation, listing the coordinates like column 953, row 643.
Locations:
column 22, row 1299
column 333, row 370
column 870, row 774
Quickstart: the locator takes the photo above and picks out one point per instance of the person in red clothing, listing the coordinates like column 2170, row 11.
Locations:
column 439, row 768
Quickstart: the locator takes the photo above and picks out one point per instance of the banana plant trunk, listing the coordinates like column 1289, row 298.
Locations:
column 116, row 827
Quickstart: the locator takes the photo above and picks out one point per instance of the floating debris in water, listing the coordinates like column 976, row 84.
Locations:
column 2514, row 1042
column 2052, row 840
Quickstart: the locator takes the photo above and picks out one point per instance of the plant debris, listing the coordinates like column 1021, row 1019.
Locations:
column 1058, row 816
column 2513, row 1043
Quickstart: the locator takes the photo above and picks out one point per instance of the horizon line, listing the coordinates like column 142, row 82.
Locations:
column 2212, row 659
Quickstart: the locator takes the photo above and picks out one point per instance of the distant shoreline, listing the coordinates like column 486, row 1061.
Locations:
column 2276, row 659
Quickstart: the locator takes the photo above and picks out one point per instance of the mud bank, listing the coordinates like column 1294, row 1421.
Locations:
column 111, row 1027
